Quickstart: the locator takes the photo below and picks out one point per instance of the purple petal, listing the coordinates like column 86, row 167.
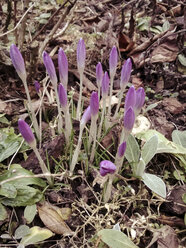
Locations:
column 126, row 72
column 18, row 62
column 62, row 95
column 26, row 131
column 49, row 65
column 86, row 116
column 37, row 86
column 106, row 167
column 81, row 55
column 94, row 103
column 129, row 119
column 122, row 149
column 105, row 84
column 63, row 67
column 99, row 73
column 140, row 98
column 130, row 99
column 113, row 60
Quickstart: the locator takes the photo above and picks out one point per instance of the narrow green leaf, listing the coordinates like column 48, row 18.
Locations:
column 29, row 213
column 115, row 239
column 155, row 183
column 132, row 152
column 140, row 168
column 149, row 149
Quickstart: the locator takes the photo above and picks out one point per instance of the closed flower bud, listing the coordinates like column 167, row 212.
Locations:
column 129, row 119
column 86, row 116
column 18, row 62
column 105, row 84
column 49, row 65
column 122, row 149
column 81, row 55
column 37, row 86
column 126, row 72
column 99, row 74
column 130, row 99
column 107, row 167
column 63, row 67
column 113, row 60
column 140, row 99
column 62, row 95
column 26, row 132
column 94, row 103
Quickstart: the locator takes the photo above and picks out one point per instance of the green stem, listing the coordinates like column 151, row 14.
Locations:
column 93, row 128
column 68, row 125
column 110, row 96
column 119, row 102
column 60, row 122
column 102, row 118
column 78, row 113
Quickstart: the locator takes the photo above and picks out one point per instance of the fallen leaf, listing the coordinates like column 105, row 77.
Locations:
column 172, row 105
column 125, row 43
column 53, row 218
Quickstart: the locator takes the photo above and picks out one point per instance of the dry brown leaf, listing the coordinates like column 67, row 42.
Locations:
column 2, row 106
column 53, row 218
column 125, row 43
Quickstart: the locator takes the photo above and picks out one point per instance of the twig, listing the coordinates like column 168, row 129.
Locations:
column 10, row 31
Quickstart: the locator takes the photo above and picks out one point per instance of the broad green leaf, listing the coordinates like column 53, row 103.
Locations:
column 155, row 183
column 140, row 168
column 166, row 26
column 3, row 119
column 36, row 235
column 29, row 213
column 115, row 239
column 149, row 149
column 132, row 152
column 3, row 213
column 21, row 231
column 8, row 190
column 26, row 195
column 179, row 137
column 182, row 59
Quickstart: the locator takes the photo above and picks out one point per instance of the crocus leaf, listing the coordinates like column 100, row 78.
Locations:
column 36, row 235
column 155, row 183
column 149, row 149
column 29, row 213
column 115, row 239
column 132, row 152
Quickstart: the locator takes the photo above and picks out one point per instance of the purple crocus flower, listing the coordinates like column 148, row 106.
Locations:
column 130, row 99
column 99, row 74
column 86, row 116
column 122, row 149
column 81, row 55
column 106, row 167
column 26, row 132
column 140, row 99
column 105, row 84
column 49, row 65
column 113, row 60
column 37, row 86
column 62, row 95
column 94, row 103
column 18, row 62
column 63, row 67
column 126, row 72
column 129, row 119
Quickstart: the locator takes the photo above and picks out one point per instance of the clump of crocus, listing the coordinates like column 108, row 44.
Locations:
column 125, row 76
column 19, row 65
column 63, row 67
column 28, row 136
column 107, row 167
column 105, row 89
column 64, row 104
column 113, row 60
column 85, row 118
column 140, row 99
column 99, row 77
column 81, row 55
column 49, row 65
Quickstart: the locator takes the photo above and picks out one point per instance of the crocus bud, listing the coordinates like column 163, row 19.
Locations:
column 26, row 132
column 126, row 72
column 94, row 103
column 106, row 167
column 129, row 119
column 37, row 86
column 130, row 99
column 105, row 84
column 140, row 99
column 62, row 95
column 122, row 149
column 81, row 55
column 49, row 65
column 113, row 60
column 86, row 116
column 18, row 62
column 99, row 74
column 63, row 67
